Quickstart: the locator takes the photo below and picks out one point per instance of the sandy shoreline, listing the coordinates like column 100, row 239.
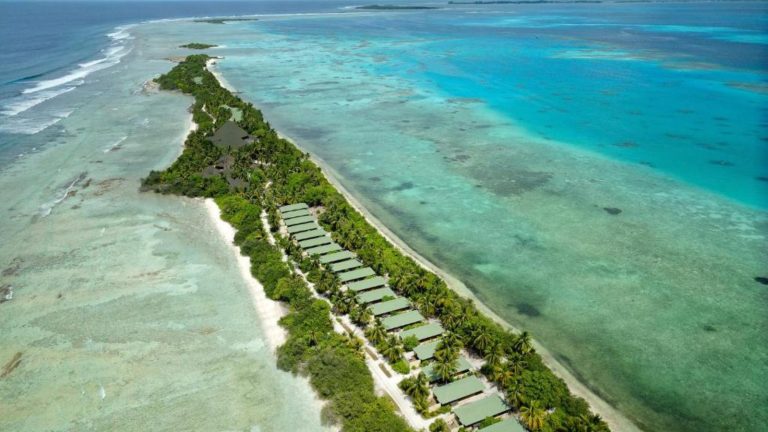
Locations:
column 616, row 420
column 269, row 311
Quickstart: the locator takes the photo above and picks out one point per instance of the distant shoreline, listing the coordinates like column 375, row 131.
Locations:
column 615, row 419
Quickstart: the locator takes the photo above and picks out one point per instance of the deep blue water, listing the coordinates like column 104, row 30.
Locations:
column 47, row 49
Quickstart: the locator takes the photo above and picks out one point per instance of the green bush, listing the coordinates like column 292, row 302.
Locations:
column 401, row 367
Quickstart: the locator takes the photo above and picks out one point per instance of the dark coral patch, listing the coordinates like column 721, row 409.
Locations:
column 404, row 186
column 527, row 309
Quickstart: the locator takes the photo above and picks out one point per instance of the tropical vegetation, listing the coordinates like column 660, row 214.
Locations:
column 276, row 172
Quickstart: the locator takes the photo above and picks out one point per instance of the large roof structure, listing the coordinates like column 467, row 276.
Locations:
column 477, row 411
column 458, row 390
column 402, row 320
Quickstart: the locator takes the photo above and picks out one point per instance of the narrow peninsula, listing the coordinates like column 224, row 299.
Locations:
column 360, row 311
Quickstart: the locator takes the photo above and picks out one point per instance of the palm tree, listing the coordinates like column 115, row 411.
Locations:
column 377, row 333
column 451, row 341
column 410, row 386
column 495, row 371
column 533, row 416
column 517, row 364
column 422, row 384
column 494, row 355
column 506, row 378
column 392, row 349
column 481, row 339
column 516, row 394
column 523, row 344
column 445, row 365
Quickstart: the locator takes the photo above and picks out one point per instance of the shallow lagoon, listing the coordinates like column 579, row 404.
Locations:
column 635, row 272
column 128, row 309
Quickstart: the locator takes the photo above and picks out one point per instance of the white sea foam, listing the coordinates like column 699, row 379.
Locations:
column 112, row 57
column 46, row 209
column 22, row 103
column 31, row 126
column 48, row 89
column 115, row 145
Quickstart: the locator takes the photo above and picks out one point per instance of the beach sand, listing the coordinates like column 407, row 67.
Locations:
column 615, row 419
column 269, row 311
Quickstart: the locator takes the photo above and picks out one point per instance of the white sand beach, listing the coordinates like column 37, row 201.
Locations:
column 269, row 311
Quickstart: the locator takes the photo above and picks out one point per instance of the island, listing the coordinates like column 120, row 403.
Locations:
column 223, row 20
column 358, row 306
column 393, row 7
column 197, row 46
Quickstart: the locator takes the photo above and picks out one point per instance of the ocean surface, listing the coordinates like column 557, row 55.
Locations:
column 594, row 173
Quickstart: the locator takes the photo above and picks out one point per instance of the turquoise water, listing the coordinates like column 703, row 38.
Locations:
column 594, row 174
column 490, row 138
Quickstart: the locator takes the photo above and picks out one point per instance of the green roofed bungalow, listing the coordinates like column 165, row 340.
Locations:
column 375, row 295
column 462, row 366
column 356, row 274
column 299, row 220
column 426, row 350
column 336, row 257
column 292, row 207
column 296, row 213
column 374, row 282
column 477, row 411
column 303, row 227
column 390, row 306
column 458, row 390
column 319, row 241
column 345, row 265
column 306, row 235
column 422, row 333
column 402, row 320
column 322, row 250
column 508, row 425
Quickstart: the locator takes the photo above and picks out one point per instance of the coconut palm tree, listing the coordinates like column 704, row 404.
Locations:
column 506, row 378
column 445, row 365
column 516, row 394
column 410, row 386
column 481, row 339
column 451, row 341
column 523, row 344
column 377, row 333
column 533, row 415
column 517, row 364
column 392, row 349
column 494, row 355
column 423, row 383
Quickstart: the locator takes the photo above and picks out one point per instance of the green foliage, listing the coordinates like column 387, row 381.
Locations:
column 439, row 425
column 293, row 177
column 401, row 367
column 410, row 342
column 197, row 46
column 487, row 422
